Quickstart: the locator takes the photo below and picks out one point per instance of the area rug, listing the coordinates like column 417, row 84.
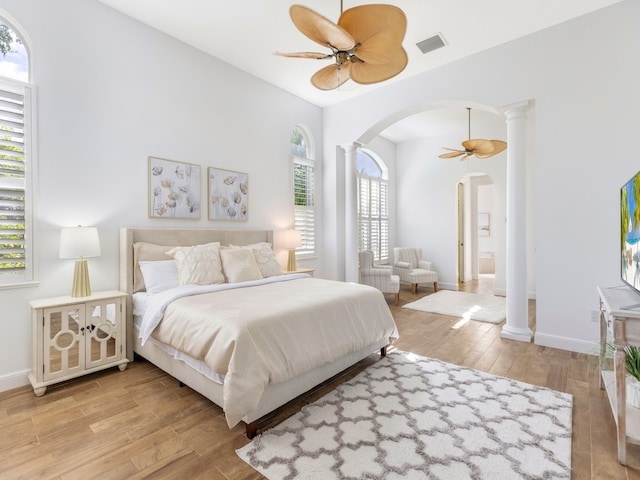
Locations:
column 471, row 306
column 413, row 417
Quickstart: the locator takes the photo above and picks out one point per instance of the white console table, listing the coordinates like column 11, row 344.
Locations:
column 620, row 315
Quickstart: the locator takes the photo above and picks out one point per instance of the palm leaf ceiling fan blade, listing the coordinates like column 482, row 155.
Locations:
column 320, row 29
column 331, row 76
column 366, row 43
column 378, row 31
column 478, row 147
column 453, row 154
column 316, row 55
column 367, row 73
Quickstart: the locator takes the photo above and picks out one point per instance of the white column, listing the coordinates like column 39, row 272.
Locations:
column 517, row 323
column 350, row 215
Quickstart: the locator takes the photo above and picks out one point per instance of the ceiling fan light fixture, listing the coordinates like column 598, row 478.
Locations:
column 366, row 38
column 478, row 147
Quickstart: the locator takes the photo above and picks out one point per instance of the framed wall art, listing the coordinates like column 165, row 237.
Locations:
column 174, row 189
column 228, row 197
column 484, row 229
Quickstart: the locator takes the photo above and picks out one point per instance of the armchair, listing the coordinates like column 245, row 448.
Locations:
column 379, row 277
column 409, row 266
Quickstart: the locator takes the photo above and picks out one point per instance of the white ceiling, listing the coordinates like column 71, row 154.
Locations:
column 246, row 33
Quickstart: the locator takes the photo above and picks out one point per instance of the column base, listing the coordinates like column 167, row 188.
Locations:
column 520, row 334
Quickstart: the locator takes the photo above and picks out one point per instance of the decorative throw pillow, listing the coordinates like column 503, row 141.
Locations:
column 143, row 251
column 159, row 275
column 265, row 258
column 239, row 265
column 198, row 264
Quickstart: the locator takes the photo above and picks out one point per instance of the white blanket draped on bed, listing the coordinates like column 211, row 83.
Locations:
column 272, row 331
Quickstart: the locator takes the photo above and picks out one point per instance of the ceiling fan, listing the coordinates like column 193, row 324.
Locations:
column 366, row 43
column 478, row 147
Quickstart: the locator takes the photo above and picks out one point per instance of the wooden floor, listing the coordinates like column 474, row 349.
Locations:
column 140, row 424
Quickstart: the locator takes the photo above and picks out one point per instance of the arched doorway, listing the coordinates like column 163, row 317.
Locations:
column 425, row 196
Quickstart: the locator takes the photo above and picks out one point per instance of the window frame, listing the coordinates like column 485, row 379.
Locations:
column 308, row 249
column 380, row 217
column 25, row 277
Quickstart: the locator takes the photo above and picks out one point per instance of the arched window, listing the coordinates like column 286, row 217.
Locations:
column 17, row 114
column 373, row 205
column 303, row 163
column 14, row 62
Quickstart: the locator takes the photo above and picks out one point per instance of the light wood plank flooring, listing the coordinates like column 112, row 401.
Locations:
column 141, row 424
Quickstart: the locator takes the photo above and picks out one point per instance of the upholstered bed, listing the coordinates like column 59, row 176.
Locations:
column 249, row 342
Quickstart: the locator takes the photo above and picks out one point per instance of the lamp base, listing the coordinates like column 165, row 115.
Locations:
column 291, row 264
column 81, row 286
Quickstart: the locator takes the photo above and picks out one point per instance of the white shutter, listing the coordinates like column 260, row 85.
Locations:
column 304, row 204
column 13, row 212
column 373, row 217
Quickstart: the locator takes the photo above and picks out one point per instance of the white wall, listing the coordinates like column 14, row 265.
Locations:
column 583, row 77
column 111, row 92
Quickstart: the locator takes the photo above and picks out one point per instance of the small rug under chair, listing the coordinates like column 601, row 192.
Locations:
column 471, row 306
column 411, row 417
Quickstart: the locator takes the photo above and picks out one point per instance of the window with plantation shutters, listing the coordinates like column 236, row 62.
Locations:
column 303, row 191
column 373, row 206
column 16, row 111
column 13, row 220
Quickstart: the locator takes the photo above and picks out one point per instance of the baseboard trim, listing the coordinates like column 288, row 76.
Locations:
column 14, row 380
column 566, row 343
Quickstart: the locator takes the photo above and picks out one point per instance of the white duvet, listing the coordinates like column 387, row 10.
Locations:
column 267, row 331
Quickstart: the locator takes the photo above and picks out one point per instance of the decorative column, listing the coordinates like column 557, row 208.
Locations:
column 517, row 323
column 350, row 215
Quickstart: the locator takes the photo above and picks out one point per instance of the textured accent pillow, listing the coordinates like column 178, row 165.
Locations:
column 198, row 264
column 239, row 265
column 143, row 251
column 159, row 275
column 265, row 258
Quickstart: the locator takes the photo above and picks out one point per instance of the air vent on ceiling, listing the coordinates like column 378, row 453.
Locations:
column 432, row 43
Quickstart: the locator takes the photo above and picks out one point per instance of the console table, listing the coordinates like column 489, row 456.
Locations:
column 620, row 316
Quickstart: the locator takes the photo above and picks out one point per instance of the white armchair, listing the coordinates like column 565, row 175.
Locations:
column 379, row 277
column 409, row 266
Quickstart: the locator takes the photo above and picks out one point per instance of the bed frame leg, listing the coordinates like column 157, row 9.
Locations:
column 383, row 352
column 252, row 429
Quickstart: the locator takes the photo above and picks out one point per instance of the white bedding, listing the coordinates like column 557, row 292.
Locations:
column 266, row 331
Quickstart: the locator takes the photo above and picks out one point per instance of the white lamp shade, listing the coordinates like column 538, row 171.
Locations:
column 292, row 239
column 79, row 242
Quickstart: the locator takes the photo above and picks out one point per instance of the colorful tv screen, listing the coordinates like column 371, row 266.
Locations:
column 630, row 232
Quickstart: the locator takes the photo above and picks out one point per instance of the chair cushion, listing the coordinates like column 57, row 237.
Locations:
column 419, row 275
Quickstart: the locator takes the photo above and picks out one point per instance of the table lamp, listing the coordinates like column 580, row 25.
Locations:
column 291, row 240
column 80, row 243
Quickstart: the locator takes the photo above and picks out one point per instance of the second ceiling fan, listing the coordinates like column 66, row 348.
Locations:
column 479, row 148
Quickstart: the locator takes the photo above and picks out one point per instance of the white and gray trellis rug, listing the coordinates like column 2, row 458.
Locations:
column 413, row 417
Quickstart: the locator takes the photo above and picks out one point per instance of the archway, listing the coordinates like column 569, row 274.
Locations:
column 425, row 184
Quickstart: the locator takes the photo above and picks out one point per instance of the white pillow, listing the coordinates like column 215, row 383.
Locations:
column 159, row 275
column 265, row 258
column 198, row 264
column 239, row 265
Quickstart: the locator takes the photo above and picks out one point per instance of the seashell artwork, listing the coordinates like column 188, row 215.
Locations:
column 174, row 189
column 228, row 195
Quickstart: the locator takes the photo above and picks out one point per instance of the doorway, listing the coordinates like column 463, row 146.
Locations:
column 476, row 236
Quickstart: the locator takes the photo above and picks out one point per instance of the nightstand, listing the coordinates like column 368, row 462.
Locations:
column 308, row 271
column 74, row 336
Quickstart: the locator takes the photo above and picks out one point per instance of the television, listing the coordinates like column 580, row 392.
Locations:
column 630, row 232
